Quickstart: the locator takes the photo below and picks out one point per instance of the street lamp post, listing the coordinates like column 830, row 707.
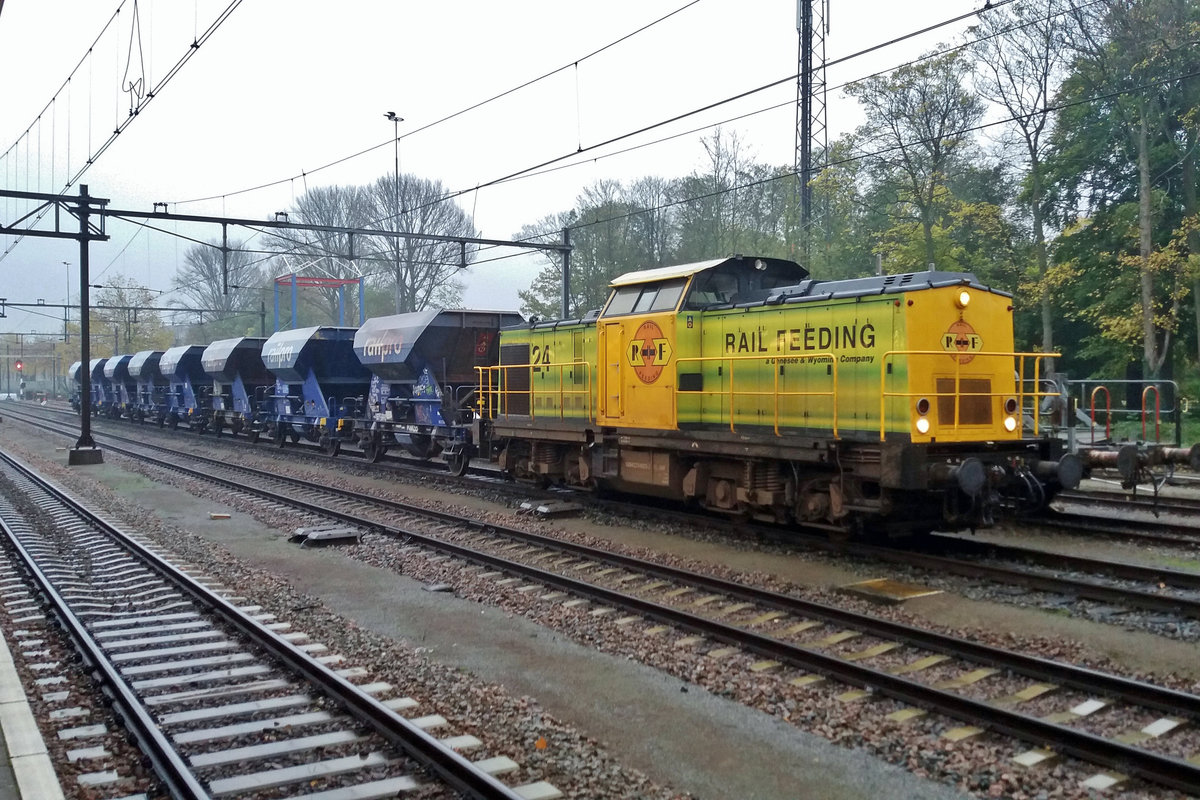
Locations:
column 66, row 335
column 395, row 120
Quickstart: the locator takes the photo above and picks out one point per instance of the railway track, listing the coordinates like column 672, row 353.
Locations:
column 1124, row 501
column 222, row 701
column 802, row 642
column 1156, row 589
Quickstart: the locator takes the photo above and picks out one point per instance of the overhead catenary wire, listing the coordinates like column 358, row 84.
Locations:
column 549, row 165
column 453, row 115
column 121, row 125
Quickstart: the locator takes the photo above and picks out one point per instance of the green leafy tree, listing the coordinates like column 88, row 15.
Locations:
column 1127, row 67
column 1021, row 59
column 121, row 322
column 916, row 138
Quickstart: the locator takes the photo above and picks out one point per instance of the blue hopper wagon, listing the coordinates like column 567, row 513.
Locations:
column 423, row 380
column 239, row 376
column 152, row 386
column 74, row 376
column 319, row 387
column 188, row 392
column 101, row 393
column 122, row 385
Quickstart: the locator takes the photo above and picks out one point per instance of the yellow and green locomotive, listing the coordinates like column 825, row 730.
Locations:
column 742, row 385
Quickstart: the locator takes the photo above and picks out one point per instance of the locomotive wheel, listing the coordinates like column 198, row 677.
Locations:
column 457, row 463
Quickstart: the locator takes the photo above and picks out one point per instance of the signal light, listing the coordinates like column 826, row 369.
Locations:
column 20, row 365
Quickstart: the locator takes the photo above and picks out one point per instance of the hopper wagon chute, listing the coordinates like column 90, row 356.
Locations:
column 101, row 393
column 423, row 377
column 188, row 393
column 239, row 377
column 124, row 387
column 151, row 386
column 319, row 388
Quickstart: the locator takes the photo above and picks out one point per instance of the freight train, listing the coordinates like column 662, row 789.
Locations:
column 741, row 385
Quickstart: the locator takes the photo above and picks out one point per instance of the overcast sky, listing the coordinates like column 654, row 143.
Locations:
column 285, row 87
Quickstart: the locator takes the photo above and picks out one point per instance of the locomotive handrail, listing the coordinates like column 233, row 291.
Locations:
column 500, row 394
column 957, row 394
column 1107, row 414
column 776, row 394
column 1157, row 410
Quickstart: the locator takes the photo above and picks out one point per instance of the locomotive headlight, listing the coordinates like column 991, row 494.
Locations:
column 963, row 300
column 923, row 406
column 922, row 425
column 1010, row 424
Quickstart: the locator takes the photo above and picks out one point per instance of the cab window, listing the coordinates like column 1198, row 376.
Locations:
column 623, row 300
column 645, row 298
column 668, row 295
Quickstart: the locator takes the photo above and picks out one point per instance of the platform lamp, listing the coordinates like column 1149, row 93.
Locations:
column 395, row 120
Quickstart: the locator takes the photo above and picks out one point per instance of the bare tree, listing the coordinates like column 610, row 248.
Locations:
column 327, row 254
column 1022, row 57
column 424, row 271
column 202, row 278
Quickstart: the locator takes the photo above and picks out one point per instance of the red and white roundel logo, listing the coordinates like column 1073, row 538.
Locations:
column 648, row 352
column 962, row 342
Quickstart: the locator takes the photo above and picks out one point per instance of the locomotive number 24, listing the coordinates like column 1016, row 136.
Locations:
column 540, row 355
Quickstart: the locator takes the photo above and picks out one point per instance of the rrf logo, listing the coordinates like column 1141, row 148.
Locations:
column 648, row 352
column 962, row 342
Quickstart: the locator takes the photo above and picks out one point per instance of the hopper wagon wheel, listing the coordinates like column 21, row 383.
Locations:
column 457, row 463
column 235, row 427
column 253, row 437
column 373, row 449
column 174, row 422
column 280, row 436
column 217, row 426
column 162, row 420
column 329, row 445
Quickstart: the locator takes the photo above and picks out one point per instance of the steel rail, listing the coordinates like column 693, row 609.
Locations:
column 166, row 762
column 1118, row 569
column 447, row 764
